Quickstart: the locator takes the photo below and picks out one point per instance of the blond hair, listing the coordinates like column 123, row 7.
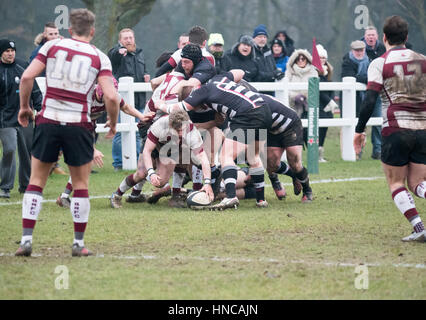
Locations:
column 177, row 118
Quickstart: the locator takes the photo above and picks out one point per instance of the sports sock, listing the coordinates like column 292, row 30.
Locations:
column 230, row 175
column 421, row 190
column 303, row 178
column 215, row 172
column 197, row 178
column 178, row 177
column 258, row 179
column 285, row 169
column 80, row 209
column 137, row 188
column 68, row 189
column 31, row 207
column 274, row 179
column 125, row 185
column 405, row 203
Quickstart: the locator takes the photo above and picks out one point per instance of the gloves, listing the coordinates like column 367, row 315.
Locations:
column 278, row 74
column 332, row 106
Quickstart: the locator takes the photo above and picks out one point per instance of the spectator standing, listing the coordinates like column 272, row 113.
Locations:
column 241, row 56
column 288, row 42
column 327, row 105
column 50, row 32
column 128, row 61
column 355, row 64
column 268, row 71
column 215, row 47
column 375, row 49
column 300, row 69
column 12, row 135
column 279, row 53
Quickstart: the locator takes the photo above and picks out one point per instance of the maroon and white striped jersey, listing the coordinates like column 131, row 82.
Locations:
column 176, row 58
column 72, row 68
column 400, row 77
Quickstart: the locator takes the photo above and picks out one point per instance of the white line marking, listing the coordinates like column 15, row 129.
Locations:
column 247, row 260
column 285, row 184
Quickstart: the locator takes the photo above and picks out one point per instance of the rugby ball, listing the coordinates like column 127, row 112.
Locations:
column 198, row 200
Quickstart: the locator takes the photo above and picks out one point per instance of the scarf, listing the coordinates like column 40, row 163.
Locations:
column 362, row 64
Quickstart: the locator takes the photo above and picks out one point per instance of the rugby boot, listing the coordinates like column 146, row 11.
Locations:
column 416, row 236
column 262, row 204
column 307, row 196
column 297, row 186
column 178, row 201
column 78, row 251
column 226, row 203
column 278, row 189
column 115, row 201
column 158, row 194
column 63, row 202
column 136, row 199
column 24, row 249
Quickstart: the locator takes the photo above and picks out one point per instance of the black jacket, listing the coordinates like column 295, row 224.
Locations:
column 350, row 69
column 265, row 60
column 374, row 53
column 233, row 59
column 132, row 65
column 10, row 77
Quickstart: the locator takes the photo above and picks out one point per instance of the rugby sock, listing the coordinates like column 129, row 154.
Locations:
column 125, row 185
column 274, row 179
column 405, row 203
column 80, row 208
column 215, row 172
column 31, row 207
column 68, row 189
column 137, row 189
column 285, row 169
column 230, row 176
column 421, row 190
column 258, row 179
column 303, row 178
column 178, row 177
column 197, row 178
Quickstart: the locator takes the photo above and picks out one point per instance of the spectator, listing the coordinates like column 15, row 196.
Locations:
column 50, row 32
column 128, row 61
column 241, row 56
column 268, row 71
column 300, row 69
column 215, row 46
column 355, row 64
column 327, row 105
column 375, row 49
column 279, row 53
column 183, row 40
column 12, row 135
column 288, row 42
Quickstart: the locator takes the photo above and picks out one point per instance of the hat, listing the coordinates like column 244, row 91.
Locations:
column 322, row 52
column 358, row 44
column 246, row 40
column 259, row 30
column 215, row 38
column 192, row 52
column 278, row 42
column 6, row 44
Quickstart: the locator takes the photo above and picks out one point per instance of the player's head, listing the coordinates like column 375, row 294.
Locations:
column 164, row 57
column 177, row 120
column 50, row 32
column 395, row 30
column 82, row 22
column 191, row 55
column 198, row 35
column 183, row 40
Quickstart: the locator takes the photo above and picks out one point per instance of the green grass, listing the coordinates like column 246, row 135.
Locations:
column 287, row 251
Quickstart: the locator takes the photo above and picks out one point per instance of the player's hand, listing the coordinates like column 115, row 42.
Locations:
column 359, row 142
column 24, row 115
column 207, row 188
column 112, row 131
column 155, row 180
column 147, row 116
column 97, row 158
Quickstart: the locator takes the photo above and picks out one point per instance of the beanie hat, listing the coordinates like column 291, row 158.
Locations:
column 322, row 52
column 6, row 44
column 259, row 30
column 278, row 42
column 215, row 38
column 192, row 52
column 246, row 40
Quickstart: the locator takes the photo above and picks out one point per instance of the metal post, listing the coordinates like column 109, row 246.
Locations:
column 313, row 115
column 128, row 138
column 348, row 111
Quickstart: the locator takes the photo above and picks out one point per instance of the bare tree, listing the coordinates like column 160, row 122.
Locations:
column 415, row 9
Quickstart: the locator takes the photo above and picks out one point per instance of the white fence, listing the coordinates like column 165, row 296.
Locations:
column 128, row 127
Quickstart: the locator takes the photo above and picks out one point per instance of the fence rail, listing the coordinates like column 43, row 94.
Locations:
column 128, row 127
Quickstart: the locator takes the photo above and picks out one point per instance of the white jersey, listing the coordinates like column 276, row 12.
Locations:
column 176, row 58
column 72, row 68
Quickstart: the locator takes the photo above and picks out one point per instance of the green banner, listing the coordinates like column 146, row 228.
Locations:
column 313, row 115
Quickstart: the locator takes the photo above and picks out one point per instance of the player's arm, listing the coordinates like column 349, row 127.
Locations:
column 132, row 111
column 166, row 67
column 97, row 157
column 25, row 88
column 157, row 81
column 205, row 165
column 367, row 108
column 152, row 176
column 168, row 108
column 112, row 102
column 238, row 74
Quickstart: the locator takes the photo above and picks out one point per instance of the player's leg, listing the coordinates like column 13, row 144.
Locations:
column 417, row 179
column 274, row 167
column 294, row 157
column 257, row 171
column 64, row 199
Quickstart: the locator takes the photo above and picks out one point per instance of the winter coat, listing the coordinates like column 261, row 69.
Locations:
column 296, row 74
column 132, row 65
column 281, row 62
column 233, row 59
column 10, row 77
column 326, row 96
column 265, row 60
column 377, row 51
column 288, row 43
